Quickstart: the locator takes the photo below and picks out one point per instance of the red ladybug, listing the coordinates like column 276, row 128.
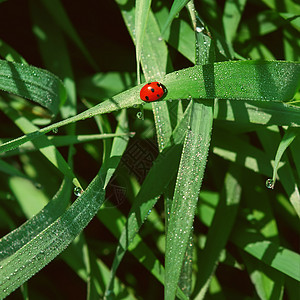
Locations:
column 152, row 91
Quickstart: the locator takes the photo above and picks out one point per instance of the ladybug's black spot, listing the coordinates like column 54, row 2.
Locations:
column 152, row 90
column 147, row 98
column 157, row 96
column 149, row 83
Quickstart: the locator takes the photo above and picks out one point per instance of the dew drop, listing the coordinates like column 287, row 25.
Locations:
column 140, row 115
column 199, row 29
column 270, row 183
column 78, row 191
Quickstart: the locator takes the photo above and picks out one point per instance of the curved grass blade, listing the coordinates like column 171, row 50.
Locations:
column 44, row 247
column 240, row 80
column 32, row 83
column 269, row 283
column 270, row 141
column 287, row 139
column 16, row 239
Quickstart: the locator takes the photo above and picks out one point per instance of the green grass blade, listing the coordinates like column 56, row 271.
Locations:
column 219, row 231
column 43, row 144
column 32, row 83
column 154, row 63
column 150, row 191
column 58, row 13
column 231, row 18
column 8, row 169
column 287, row 139
column 264, row 113
column 40, row 250
column 16, row 239
column 285, row 172
column 10, row 54
column 64, row 140
column 181, row 37
column 269, row 283
column 241, row 80
column 51, row 41
column 278, row 257
column 189, row 180
column 142, row 8
column 175, row 9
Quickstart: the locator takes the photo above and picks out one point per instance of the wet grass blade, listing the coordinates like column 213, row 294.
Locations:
column 142, row 8
column 240, row 80
column 41, row 249
column 166, row 165
column 32, row 83
column 189, row 180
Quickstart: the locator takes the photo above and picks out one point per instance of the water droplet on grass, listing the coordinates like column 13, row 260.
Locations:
column 270, row 183
column 199, row 29
column 78, row 191
column 140, row 115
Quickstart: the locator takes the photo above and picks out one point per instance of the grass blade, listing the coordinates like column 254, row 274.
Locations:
column 150, row 192
column 240, row 80
column 189, row 180
column 142, row 8
column 32, row 83
column 40, row 250
column 219, row 230
column 278, row 257
column 175, row 9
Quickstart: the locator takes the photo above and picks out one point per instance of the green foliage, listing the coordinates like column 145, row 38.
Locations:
column 200, row 186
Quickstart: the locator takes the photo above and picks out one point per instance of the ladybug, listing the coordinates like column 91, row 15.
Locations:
column 152, row 91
